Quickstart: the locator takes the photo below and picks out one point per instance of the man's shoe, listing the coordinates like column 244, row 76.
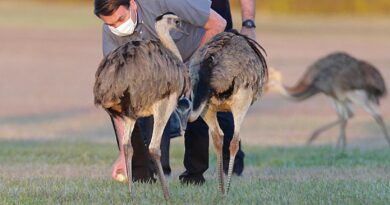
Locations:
column 193, row 179
column 167, row 171
column 149, row 180
column 143, row 175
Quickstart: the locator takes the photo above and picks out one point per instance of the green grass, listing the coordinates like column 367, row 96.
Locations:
column 248, row 191
column 274, row 175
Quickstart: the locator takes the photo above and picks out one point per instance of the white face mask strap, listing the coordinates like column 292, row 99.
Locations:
column 131, row 9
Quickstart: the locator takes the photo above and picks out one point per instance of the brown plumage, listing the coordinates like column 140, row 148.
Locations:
column 226, row 60
column 143, row 78
column 227, row 75
column 345, row 80
column 129, row 73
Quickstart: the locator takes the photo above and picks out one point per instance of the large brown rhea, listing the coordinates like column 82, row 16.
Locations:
column 143, row 78
column 346, row 81
column 227, row 75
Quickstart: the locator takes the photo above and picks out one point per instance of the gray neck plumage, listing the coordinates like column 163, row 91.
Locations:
column 166, row 39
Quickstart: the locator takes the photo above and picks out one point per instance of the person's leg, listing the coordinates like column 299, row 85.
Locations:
column 172, row 130
column 165, row 146
column 143, row 167
column 196, row 155
column 226, row 122
column 147, row 124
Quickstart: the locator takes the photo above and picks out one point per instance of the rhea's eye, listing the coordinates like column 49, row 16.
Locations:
column 177, row 22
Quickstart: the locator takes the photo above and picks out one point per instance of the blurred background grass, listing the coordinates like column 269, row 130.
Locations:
column 292, row 7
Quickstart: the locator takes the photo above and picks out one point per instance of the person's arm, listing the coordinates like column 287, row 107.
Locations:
column 248, row 8
column 215, row 24
column 108, row 41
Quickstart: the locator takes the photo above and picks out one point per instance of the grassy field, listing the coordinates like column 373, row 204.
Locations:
column 77, row 172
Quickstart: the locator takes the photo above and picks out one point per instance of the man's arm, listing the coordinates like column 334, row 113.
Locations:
column 108, row 41
column 248, row 8
column 215, row 24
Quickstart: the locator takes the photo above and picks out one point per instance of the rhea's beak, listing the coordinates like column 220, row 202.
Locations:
column 183, row 109
column 180, row 28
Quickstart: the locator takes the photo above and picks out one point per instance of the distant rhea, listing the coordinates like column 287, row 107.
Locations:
column 227, row 75
column 345, row 80
column 140, row 79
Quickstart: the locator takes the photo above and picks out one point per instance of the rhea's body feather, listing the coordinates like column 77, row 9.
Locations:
column 229, row 61
column 339, row 73
column 133, row 70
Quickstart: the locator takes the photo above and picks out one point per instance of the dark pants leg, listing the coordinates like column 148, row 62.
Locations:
column 196, row 142
column 165, row 145
column 142, row 164
column 196, row 155
column 146, row 125
column 226, row 122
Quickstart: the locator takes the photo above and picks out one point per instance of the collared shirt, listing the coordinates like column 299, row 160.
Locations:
column 194, row 14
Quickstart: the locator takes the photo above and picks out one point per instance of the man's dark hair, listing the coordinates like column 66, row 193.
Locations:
column 107, row 7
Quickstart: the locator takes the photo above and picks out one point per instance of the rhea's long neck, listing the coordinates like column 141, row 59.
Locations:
column 166, row 39
column 283, row 90
column 299, row 92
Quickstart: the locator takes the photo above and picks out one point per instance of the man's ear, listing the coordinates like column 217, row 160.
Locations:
column 133, row 5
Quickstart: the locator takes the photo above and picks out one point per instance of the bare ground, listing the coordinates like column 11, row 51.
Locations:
column 46, row 80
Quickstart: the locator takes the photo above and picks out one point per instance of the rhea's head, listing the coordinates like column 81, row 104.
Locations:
column 275, row 79
column 167, row 22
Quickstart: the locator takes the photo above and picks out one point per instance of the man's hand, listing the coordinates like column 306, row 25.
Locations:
column 250, row 32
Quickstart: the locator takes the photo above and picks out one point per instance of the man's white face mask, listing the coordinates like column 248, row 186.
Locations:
column 125, row 29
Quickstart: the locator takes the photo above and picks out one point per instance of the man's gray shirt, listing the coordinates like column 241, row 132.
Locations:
column 194, row 13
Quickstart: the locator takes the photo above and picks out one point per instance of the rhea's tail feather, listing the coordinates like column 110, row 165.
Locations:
column 201, row 88
column 259, row 50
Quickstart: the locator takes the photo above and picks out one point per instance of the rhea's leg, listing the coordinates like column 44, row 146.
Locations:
column 161, row 113
column 210, row 117
column 119, row 168
column 373, row 110
column 344, row 111
column 126, row 147
column 239, row 110
column 318, row 131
